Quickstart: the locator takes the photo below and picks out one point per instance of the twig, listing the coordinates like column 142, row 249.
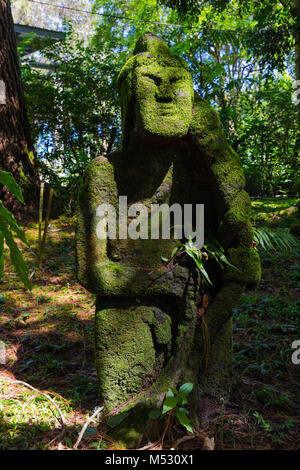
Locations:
column 182, row 439
column 149, row 446
column 167, row 426
column 100, row 408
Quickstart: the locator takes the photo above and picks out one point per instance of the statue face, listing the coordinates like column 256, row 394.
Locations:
column 163, row 96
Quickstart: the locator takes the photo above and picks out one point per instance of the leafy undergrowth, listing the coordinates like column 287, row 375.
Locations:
column 277, row 212
column 49, row 344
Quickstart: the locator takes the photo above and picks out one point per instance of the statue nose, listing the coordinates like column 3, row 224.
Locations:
column 164, row 94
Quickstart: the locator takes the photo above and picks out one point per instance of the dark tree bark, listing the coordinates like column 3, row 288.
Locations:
column 295, row 11
column 16, row 147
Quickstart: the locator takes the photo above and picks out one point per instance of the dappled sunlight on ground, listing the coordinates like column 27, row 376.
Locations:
column 49, row 344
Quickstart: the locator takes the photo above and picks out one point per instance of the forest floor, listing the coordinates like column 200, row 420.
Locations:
column 48, row 334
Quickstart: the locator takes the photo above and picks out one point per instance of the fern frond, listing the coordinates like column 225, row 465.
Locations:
column 275, row 239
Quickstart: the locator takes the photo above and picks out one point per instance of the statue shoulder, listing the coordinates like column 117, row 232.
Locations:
column 205, row 119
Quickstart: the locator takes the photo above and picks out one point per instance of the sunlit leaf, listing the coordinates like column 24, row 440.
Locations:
column 169, row 404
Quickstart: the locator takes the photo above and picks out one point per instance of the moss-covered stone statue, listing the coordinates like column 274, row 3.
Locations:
column 148, row 332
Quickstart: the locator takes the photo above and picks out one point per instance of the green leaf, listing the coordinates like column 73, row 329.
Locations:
column 155, row 414
column 183, row 419
column 197, row 258
column 204, row 273
column 9, row 181
column 186, row 388
column 174, row 390
column 174, row 251
column 184, row 410
column 1, row 255
column 225, row 261
column 98, row 445
column 169, row 404
column 16, row 257
column 90, row 431
column 6, row 218
column 182, row 400
column 115, row 420
column 275, row 239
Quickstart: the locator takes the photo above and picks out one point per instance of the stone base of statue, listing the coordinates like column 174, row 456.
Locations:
column 144, row 347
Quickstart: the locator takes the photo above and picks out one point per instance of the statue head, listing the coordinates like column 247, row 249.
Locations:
column 156, row 91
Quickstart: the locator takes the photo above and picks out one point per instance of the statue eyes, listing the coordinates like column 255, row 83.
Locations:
column 157, row 80
column 175, row 79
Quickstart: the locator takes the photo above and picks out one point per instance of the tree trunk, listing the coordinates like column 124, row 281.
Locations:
column 16, row 148
column 296, row 15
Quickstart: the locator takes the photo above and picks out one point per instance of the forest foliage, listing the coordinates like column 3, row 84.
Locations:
column 241, row 56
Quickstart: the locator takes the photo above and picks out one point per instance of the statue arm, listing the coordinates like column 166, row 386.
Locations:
column 95, row 270
column 233, row 204
column 93, row 191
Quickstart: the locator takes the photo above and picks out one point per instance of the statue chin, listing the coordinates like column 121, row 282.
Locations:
column 165, row 127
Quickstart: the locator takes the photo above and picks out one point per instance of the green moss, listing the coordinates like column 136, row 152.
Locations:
column 162, row 329
column 216, row 382
column 220, row 310
column 125, row 353
column 237, row 216
column 117, row 267
column 132, row 342
column 246, row 234
column 246, row 259
column 98, row 186
column 151, row 43
column 30, row 156
column 129, row 433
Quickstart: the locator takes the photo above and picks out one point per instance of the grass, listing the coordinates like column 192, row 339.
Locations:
column 49, row 344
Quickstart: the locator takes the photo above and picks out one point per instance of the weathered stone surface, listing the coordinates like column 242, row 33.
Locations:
column 148, row 334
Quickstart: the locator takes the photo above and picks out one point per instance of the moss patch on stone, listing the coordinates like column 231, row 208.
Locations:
column 125, row 353
column 127, row 336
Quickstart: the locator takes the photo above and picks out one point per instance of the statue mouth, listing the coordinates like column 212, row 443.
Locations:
column 165, row 109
